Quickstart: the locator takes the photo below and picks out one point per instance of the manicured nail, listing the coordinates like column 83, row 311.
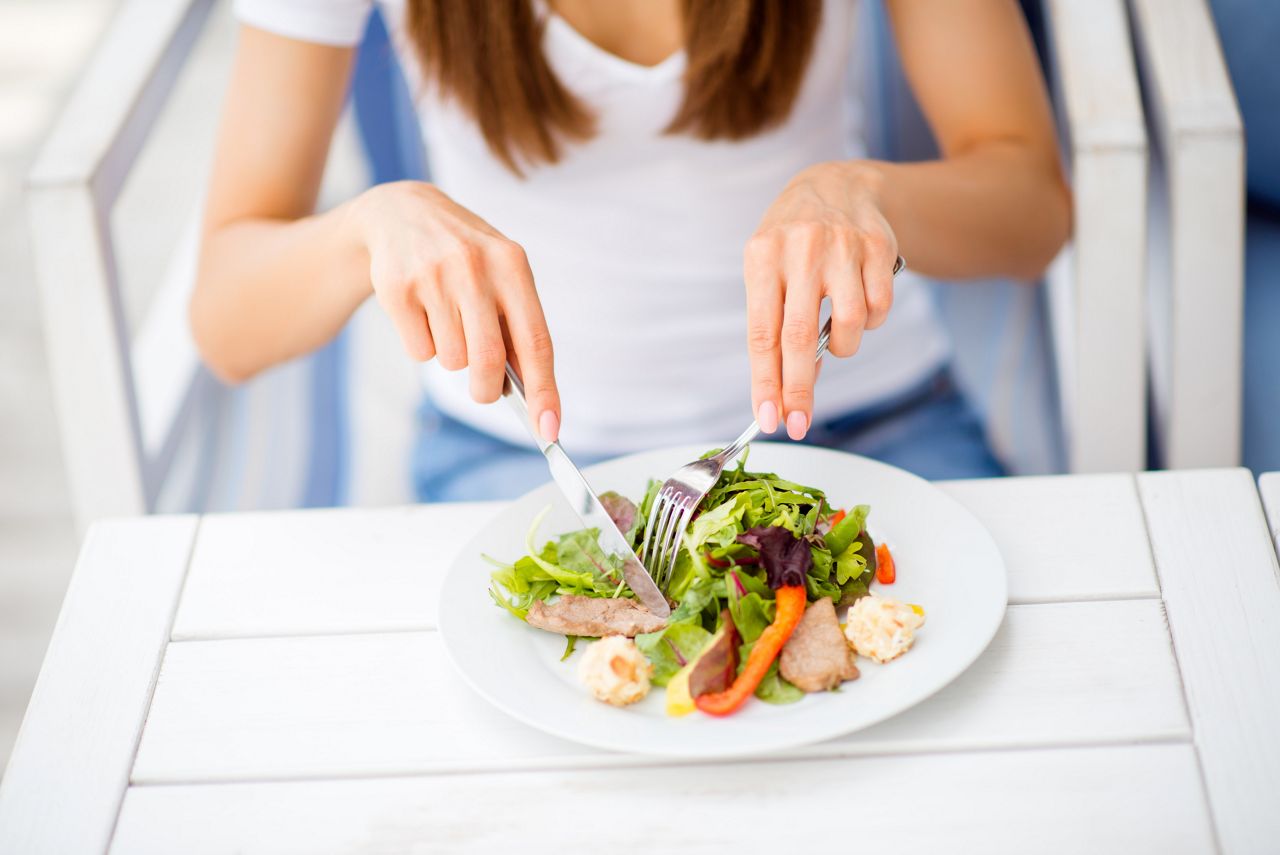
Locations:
column 548, row 425
column 767, row 417
column 797, row 424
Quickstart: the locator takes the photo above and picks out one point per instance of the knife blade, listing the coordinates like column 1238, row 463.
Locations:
column 587, row 506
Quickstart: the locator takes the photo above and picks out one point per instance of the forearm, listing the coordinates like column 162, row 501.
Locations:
column 998, row 210
column 270, row 290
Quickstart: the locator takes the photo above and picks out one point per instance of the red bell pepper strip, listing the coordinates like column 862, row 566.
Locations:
column 786, row 559
column 836, row 517
column 791, row 601
column 885, row 572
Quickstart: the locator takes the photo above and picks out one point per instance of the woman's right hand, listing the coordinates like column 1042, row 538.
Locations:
column 458, row 290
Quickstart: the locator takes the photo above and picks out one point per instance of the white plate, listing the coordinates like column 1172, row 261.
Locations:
column 946, row 562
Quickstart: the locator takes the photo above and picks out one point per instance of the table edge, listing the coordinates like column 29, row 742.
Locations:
column 71, row 763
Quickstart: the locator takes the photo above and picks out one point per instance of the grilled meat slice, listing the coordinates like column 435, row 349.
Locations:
column 817, row 657
column 595, row 617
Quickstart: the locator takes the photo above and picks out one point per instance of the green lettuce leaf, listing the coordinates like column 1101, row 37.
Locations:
column 850, row 564
column 774, row 688
column 719, row 526
column 846, row 531
column 751, row 614
column 682, row 638
column 670, row 648
column 579, row 552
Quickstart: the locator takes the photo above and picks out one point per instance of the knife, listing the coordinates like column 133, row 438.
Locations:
column 587, row 506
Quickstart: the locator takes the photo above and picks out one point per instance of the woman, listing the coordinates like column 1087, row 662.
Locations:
column 607, row 175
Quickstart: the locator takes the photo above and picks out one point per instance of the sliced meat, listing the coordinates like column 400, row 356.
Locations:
column 595, row 617
column 817, row 657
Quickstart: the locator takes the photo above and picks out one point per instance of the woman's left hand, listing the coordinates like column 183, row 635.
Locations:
column 824, row 236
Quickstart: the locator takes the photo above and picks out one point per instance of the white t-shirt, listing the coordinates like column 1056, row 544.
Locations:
column 635, row 237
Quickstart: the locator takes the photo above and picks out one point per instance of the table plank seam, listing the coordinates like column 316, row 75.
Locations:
column 1182, row 684
column 430, row 627
column 155, row 677
column 316, row 633
column 622, row 762
column 1260, row 512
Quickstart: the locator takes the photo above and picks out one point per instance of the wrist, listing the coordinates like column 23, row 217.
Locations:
column 858, row 181
column 350, row 233
column 862, row 177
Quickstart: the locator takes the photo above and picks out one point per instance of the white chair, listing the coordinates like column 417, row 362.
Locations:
column 1196, row 251
column 1061, row 386
column 139, row 416
column 121, row 401
column 1096, row 285
column 143, row 426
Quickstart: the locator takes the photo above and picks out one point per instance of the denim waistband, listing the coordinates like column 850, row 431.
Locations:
column 937, row 385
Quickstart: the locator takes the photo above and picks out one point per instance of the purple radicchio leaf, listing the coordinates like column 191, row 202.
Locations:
column 621, row 510
column 786, row 558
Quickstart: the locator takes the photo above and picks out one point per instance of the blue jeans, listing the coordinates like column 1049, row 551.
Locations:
column 929, row 430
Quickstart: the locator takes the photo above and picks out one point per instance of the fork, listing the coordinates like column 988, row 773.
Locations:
column 681, row 494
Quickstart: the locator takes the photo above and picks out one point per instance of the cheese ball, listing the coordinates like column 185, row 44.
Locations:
column 615, row 671
column 880, row 628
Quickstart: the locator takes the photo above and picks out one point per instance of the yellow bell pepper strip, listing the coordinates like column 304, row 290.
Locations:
column 885, row 571
column 712, row 670
column 786, row 561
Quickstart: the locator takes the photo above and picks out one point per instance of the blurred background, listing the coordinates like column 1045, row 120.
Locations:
column 42, row 46
column 1154, row 343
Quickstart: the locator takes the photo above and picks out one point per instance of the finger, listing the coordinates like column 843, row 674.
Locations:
column 764, row 326
column 877, row 281
column 446, row 331
column 486, row 353
column 533, row 351
column 411, row 324
column 410, row 320
column 848, row 310
column 799, row 345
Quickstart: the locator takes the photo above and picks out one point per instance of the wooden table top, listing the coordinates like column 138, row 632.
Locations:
column 273, row 683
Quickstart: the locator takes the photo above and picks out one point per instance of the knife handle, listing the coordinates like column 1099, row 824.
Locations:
column 513, row 394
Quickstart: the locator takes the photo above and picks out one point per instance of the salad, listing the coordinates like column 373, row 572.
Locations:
column 760, row 574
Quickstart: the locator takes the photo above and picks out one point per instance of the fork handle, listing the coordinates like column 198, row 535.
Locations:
column 734, row 448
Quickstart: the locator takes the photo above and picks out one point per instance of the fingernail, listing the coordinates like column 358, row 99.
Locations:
column 797, row 424
column 767, row 417
column 548, row 425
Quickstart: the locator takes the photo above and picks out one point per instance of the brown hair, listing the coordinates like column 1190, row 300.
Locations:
column 745, row 62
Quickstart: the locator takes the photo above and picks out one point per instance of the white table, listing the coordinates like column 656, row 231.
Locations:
column 269, row 683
